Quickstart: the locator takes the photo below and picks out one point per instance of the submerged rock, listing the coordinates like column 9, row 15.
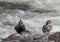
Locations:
column 24, row 6
column 13, row 5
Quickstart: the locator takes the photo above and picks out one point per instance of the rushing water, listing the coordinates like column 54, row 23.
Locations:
column 32, row 20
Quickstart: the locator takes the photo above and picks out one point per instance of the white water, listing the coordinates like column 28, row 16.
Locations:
column 32, row 20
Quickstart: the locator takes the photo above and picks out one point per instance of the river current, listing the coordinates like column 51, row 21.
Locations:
column 32, row 20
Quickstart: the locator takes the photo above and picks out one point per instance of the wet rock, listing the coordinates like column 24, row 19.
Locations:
column 1, row 40
column 28, row 37
column 24, row 37
column 55, row 37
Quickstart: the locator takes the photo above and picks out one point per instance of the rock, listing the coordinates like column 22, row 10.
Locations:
column 55, row 37
column 28, row 37
column 1, row 40
column 24, row 37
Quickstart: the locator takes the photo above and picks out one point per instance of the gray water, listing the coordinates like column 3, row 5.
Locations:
column 32, row 20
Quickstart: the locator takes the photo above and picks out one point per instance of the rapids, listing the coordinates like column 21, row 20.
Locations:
column 34, row 18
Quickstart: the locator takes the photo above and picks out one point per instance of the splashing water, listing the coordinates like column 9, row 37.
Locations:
column 32, row 20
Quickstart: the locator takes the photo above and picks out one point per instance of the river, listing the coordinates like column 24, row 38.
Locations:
column 34, row 18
